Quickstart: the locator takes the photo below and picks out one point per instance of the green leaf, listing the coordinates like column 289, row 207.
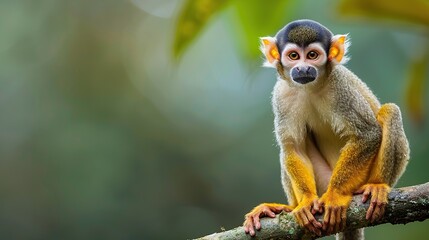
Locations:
column 415, row 89
column 410, row 11
column 260, row 18
column 192, row 19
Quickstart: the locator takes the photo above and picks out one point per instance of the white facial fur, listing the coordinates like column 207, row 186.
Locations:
column 303, row 60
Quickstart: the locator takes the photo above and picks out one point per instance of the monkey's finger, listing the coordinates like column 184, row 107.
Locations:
column 248, row 225
column 366, row 194
column 279, row 209
column 316, row 207
column 359, row 191
column 381, row 204
column 372, row 205
column 338, row 219
column 376, row 213
column 269, row 213
column 265, row 211
column 313, row 210
column 251, row 227
column 332, row 220
column 256, row 222
column 320, row 203
column 246, row 229
column 370, row 211
column 287, row 209
column 311, row 219
column 378, row 203
column 312, row 229
column 305, row 222
column 326, row 218
column 343, row 218
column 252, row 232
column 302, row 218
column 382, row 196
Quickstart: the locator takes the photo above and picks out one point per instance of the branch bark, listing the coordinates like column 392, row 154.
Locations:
column 405, row 205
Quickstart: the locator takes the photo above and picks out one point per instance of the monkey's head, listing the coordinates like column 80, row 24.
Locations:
column 303, row 50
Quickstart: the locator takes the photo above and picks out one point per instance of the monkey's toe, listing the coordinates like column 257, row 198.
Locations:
column 377, row 193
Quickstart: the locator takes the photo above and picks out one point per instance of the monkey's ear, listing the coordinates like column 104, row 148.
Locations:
column 269, row 49
column 338, row 50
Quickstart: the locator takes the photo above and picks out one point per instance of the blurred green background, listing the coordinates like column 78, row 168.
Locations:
column 151, row 119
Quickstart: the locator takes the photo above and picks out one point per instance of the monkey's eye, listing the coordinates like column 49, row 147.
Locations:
column 312, row 55
column 293, row 55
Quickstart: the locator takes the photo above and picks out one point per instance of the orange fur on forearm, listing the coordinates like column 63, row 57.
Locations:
column 301, row 175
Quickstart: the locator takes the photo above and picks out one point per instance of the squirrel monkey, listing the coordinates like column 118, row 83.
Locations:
column 335, row 137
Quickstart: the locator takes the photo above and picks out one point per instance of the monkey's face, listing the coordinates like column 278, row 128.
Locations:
column 304, row 64
column 302, row 51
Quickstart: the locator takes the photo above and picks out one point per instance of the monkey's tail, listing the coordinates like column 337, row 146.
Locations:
column 357, row 234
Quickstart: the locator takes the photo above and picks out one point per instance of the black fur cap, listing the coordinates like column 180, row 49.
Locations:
column 302, row 33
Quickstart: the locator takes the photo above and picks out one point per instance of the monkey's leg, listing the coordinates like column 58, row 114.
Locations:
column 390, row 162
column 350, row 172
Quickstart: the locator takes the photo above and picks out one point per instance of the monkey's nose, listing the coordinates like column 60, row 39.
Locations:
column 304, row 74
column 305, row 70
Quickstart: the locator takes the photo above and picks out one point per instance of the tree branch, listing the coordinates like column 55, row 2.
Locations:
column 405, row 205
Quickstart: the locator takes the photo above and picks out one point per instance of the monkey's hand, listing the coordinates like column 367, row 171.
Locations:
column 335, row 205
column 251, row 220
column 379, row 193
column 304, row 216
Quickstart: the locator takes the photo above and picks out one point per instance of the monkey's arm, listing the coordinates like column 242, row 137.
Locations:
column 301, row 182
column 363, row 135
column 300, row 172
column 349, row 174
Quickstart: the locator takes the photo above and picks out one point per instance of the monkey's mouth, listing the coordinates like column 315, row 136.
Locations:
column 304, row 80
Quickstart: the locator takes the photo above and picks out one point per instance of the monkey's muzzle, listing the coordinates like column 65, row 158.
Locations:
column 304, row 74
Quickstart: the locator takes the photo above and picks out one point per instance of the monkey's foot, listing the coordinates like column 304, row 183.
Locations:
column 379, row 193
column 304, row 215
column 251, row 220
column 335, row 206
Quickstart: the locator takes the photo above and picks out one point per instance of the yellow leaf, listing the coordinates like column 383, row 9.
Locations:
column 410, row 11
column 192, row 19
column 415, row 89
